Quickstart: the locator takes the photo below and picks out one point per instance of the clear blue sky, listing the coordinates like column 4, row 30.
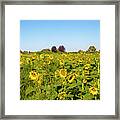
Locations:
column 73, row 34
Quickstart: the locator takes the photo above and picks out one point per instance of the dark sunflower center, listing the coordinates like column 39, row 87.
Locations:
column 93, row 89
column 63, row 72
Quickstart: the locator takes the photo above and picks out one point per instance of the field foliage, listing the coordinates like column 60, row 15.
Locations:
column 60, row 76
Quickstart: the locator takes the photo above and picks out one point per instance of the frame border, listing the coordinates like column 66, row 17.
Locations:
column 2, row 60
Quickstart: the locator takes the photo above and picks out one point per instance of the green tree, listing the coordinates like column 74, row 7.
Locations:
column 92, row 49
column 54, row 49
column 61, row 48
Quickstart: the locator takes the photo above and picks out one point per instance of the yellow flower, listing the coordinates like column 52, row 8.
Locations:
column 63, row 73
column 64, row 55
column 84, row 81
column 42, row 56
column 46, row 56
column 28, row 60
column 21, row 54
column 64, row 82
column 87, row 66
column 93, row 90
column 33, row 75
column 61, row 61
column 40, row 79
column 33, row 57
column 47, row 60
column 21, row 62
column 85, row 72
column 77, row 73
column 71, row 77
column 57, row 73
column 51, row 57
column 80, row 61
column 34, row 54
column 62, row 95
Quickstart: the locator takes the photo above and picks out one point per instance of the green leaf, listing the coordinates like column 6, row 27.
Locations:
column 88, row 96
column 72, row 85
column 70, row 96
column 29, row 90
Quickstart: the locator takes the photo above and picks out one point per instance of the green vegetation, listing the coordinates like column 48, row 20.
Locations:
column 48, row 75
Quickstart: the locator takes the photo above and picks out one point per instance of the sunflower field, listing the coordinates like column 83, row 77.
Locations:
column 60, row 76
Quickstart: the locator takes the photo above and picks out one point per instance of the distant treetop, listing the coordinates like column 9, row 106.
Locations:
column 92, row 49
column 61, row 48
column 54, row 49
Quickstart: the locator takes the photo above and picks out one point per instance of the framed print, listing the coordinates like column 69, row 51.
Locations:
column 59, row 59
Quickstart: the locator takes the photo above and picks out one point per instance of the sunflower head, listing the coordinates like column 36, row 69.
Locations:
column 21, row 62
column 57, row 73
column 28, row 60
column 33, row 58
column 51, row 57
column 93, row 90
column 71, row 77
column 41, row 56
column 63, row 55
column 62, row 95
column 85, row 72
column 33, row 75
column 64, row 82
column 87, row 67
column 84, row 81
column 47, row 60
column 40, row 79
column 61, row 61
column 63, row 73
column 46, row 56
column 77, row 73
column 80, row 61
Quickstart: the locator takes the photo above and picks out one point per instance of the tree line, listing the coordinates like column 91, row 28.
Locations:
column 61, row 48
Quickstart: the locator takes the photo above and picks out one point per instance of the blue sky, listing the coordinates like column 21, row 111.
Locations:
column 73, row 34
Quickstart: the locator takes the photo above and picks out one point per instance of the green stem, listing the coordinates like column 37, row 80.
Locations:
column 98, row 84
column 95, row 97
column 98, row 68
column 82, row 87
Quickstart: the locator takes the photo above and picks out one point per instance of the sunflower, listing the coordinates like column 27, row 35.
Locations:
column 62, row 95
column 28, row 60
column 21, row 56
column 93, row 90
column 85, row 72
column 64, row 82
column 61, row 61
column 77, row 73
column 47, row 60
column 42, row 56
column 87, row 66
column 57, row 73
column 63, row 55
column 71, row 77
column 80, row 61
column 33, row 75
column 21, row 62
column 34, row 54
column 47, row 56
column 33, row 58
column 84, row 81
column 63, row 73
column 40, row 79
column 50, row 57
